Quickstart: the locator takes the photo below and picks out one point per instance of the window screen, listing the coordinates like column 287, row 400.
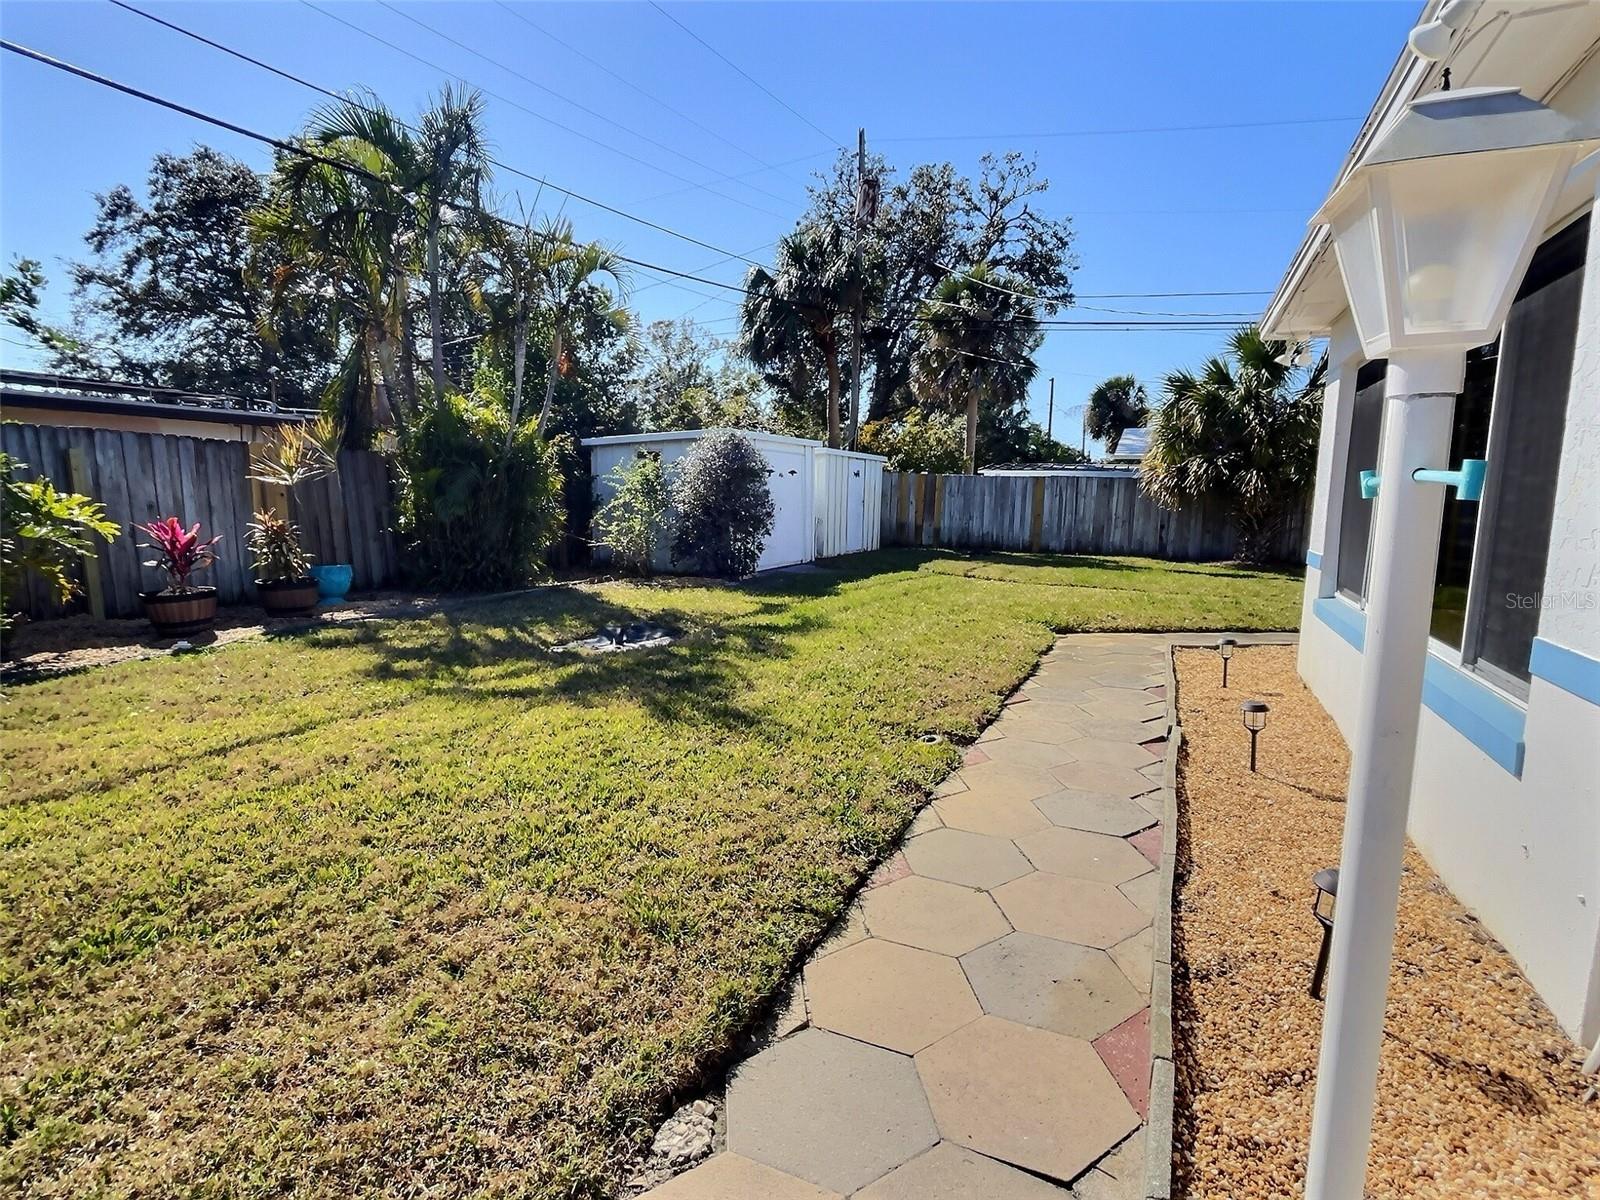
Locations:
column 1525, row 452
column 1469, row 438
column 1355, row 520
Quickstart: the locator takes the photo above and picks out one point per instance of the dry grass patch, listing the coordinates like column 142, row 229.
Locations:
column 1479, row 1093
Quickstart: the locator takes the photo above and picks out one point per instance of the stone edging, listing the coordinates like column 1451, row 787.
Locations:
column 1163, row 1077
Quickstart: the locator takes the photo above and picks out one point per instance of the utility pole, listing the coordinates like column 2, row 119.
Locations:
column 1050, row 413
column 866, row 210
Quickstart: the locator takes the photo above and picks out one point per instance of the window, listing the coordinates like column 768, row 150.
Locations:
column 1355, row 521
column 1529, row 418
column 1469, row 438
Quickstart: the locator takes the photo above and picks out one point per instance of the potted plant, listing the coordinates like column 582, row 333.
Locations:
column 283, row 584
column 300, row 454
column 180, row 607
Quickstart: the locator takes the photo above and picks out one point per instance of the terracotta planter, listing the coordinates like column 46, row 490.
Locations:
column 287, row 597
column 177, row 613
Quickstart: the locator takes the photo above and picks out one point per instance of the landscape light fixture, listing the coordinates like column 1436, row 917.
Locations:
column 1326, row 882
column 1225, row 649
column 1254, row 715
column 1433, row 228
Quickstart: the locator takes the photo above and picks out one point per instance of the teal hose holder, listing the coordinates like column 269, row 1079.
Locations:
column 1467, row 479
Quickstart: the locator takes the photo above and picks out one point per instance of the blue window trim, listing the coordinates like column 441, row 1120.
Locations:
column 1344, row 618
column 1313, row 560
column 1490, row 721
column 1567, row 669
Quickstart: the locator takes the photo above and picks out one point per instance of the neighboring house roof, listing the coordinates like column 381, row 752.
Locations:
column 1131, row 445
column 1025, row 468
column 66, row 393
column 1535, row 49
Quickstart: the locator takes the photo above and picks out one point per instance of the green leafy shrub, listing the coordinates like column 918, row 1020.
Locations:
column 45, row 531
column 919, row 441
column 275, row 548
column 478, row 502
column 630, row 523
column 722, row 505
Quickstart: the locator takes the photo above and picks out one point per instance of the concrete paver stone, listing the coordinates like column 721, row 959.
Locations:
column 733, row 1177
column 1073, row 910
column 1007, row 818
column 833, row 1111
column 1099, row 777
column 890, row 995
column 974, row 860
column 933, row 915
column 1095, row 812
column 1083, row 855
column 952, row 1172
column 1052, row 985
column 1028, row 1097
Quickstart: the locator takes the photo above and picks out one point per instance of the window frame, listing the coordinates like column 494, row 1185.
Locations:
column 1467, row 658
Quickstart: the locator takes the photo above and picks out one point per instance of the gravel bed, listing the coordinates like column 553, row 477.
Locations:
column 1479, row 1092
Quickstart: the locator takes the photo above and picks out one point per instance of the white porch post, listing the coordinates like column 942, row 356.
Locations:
column 1418, row 407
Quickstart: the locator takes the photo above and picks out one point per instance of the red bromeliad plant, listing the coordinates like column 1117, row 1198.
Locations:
column 179, row 552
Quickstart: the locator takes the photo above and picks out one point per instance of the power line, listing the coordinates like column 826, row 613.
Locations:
column 1117, row 132
column 779, row 99
column 346, row 99
column 350, row 168
column 538, row 116
column 584, row 108
column 1163, row 295
column 652, row 97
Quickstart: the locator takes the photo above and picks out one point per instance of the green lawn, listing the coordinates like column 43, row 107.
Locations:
column 423, row 908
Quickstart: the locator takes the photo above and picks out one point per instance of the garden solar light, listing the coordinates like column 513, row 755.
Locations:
column 1225, row 648
column 1254, row 713
column 1433, row 225
column 1326, row 882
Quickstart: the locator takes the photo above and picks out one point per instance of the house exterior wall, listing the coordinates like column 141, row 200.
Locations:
column 1506, row 794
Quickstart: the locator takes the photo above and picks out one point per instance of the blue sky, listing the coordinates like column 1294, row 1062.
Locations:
column 1198, row 210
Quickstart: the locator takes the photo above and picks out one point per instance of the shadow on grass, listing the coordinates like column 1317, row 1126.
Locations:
column 509, row 649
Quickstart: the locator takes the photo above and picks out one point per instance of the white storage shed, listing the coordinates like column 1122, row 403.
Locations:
column 826, row 502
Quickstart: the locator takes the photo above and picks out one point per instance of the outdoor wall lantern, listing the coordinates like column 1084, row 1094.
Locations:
column 1326, row 882
column 1225, row 648
column 1433, row 227
column 1254, row 715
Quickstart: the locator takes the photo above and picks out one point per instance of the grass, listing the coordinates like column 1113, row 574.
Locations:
column 423, row 907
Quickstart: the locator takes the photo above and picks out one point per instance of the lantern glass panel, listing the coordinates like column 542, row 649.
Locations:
column 1325, row 905
column 1355, row 241
column 1456, row 256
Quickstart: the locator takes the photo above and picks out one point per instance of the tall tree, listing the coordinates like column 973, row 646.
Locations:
column 1242, row 432
column 977, row 336
column 931, row 221
column 451, row 167
column 794, row 315
column 570, row 270
column 168, row 293
column 1116, row 405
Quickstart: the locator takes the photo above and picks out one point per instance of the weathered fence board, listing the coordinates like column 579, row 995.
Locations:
column 140, row 477
column 1060, row 514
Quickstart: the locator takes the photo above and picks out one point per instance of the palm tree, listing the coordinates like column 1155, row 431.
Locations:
column 506, row 289
column 978, row 334
column 451, row 164
column 799, row 306
column 565, row 269
column 338, row 223
column 1116, row 405
column 1242, row 432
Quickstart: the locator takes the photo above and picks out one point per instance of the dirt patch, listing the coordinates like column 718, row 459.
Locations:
column 1479, row 1092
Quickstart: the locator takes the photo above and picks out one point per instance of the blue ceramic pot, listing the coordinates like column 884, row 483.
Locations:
column 333, row 581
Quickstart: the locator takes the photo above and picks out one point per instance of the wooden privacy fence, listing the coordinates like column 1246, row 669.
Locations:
column 1069, row 513
column 139, row 477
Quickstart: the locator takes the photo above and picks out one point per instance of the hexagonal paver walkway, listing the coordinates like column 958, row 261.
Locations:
column 977, row 1028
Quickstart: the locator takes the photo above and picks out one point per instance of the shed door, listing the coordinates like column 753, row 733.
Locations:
column 855, row 508
column 791, row 525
